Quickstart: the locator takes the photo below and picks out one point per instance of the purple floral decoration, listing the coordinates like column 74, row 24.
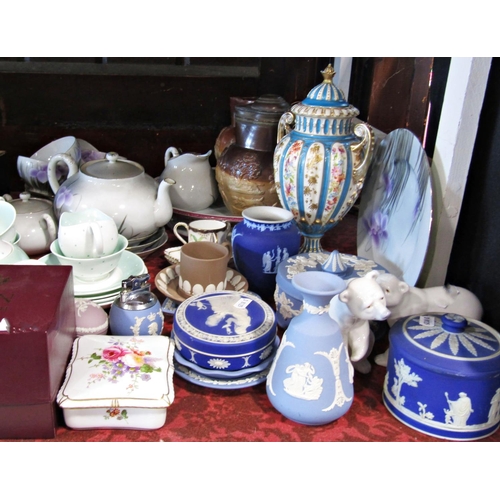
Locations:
column 388, row 185
column 91, row 155
column 376, row 227
column 41, row 175
column 64, row 196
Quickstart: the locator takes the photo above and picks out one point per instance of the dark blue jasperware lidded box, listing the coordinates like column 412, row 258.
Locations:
column 225, row 330
column 443, row 376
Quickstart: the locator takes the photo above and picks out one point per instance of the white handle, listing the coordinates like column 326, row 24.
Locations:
column 51, row 169
column 171, row 152
column 98, row 248
column 176, row 231
column 51, row 226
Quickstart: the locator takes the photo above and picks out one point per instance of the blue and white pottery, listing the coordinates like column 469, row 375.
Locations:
column 266, row 237
column 224, row 330
column 443, row 376
column 320, row 164
column 136, row 311
column 311, row 377
column 288, row 299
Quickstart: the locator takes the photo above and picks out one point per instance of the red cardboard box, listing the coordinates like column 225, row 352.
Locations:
column 38, row 302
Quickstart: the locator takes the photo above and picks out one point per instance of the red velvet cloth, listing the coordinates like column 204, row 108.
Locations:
column 200, row 414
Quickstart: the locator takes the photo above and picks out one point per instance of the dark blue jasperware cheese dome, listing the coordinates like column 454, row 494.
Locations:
column 224, row 330
column 443, row 376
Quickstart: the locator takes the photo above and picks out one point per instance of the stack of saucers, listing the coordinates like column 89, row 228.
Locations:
column 224, row 340
column 145, row 246
column 104, row 291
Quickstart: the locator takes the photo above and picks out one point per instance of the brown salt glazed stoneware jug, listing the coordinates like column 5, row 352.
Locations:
column 244, row 171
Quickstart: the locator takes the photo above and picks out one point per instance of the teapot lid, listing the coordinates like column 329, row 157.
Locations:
column 25, row 204
column 326, row 99
column 112, row 167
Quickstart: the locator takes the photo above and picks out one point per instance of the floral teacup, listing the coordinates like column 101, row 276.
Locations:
column 33, row 170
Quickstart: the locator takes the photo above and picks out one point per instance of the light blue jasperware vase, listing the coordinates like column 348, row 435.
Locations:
column 311, row 378
column 320, row 164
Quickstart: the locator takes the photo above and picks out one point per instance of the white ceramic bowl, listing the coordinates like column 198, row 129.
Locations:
column 11, row 254
column 7, row 222
column 91, row 269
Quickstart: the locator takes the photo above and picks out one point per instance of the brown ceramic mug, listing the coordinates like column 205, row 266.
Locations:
column 203, row 267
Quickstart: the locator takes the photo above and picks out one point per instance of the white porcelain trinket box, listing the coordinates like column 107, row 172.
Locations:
column 115, row 382
column 443, row 376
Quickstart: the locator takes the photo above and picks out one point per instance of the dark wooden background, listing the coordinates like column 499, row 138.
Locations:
column 141, row 106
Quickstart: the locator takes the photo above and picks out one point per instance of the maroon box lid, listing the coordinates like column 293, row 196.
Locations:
column 38, row 302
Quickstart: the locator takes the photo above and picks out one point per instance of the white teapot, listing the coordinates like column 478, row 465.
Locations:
column 118, row 187
column 35, row 223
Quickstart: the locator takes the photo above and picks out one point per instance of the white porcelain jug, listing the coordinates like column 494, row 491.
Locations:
column 195, row 186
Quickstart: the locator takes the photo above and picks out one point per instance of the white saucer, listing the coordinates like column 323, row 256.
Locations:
column 129, row 265
column 167, row 281
column 147, row 242
column 173, row 255
column 153, row 246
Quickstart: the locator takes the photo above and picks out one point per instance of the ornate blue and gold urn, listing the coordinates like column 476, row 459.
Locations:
column 321, row 160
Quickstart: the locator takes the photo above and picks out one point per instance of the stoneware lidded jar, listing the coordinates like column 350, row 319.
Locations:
column 266, row 237
column 443, row 376
column 320, row 165
column 311, row 377
column 244, row 171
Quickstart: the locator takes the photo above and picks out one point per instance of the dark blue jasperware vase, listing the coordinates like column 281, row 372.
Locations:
column 265, row 237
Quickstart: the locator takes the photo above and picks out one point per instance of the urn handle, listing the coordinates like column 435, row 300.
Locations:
column 285, row 125
column 367, row 144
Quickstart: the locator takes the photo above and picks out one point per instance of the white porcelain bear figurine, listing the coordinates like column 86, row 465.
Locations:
column 404, row 300
column 362, row 301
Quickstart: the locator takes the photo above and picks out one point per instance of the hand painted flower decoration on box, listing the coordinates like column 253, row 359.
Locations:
column 122, row 360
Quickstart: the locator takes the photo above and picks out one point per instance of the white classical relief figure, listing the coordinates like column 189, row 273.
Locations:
column 494, row 413
column 459, row 411
column 271, row 259
column 153, row 329
column 302, row 383
column 236, row 319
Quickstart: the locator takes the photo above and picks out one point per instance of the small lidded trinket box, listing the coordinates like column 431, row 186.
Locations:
column 225, row 330
column 443, row 376
column 116, row 382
